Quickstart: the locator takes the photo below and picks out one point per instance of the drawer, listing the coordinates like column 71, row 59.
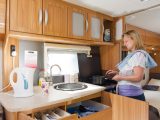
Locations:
column 57, row 113
column 104, row 112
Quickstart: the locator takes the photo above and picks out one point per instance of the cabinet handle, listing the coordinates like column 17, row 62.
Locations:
column 46, row 17
column 102, row 28
column 86, row 25
column 40, row 16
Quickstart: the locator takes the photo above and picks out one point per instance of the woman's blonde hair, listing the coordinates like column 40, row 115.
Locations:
column 134, row 35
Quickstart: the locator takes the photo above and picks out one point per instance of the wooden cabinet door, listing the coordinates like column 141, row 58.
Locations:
column 125, row 108
column 2, row 15
column 26, row 16
column 107, row 62
column 95, row 26
column 77, row 23
column 55, row 18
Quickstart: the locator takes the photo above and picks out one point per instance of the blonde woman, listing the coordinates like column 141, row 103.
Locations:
column 131, row 69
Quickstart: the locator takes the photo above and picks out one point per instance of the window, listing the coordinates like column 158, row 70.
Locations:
column 68, row 62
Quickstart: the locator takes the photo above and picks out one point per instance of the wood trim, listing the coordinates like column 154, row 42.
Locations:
column 1, row 41
column 22, row 116
column 2, row 36
column 9, row 62
column 72, row 117
column 11, row 115
column 44, row 108
column 42, row 38
column 2, row 15
column 7, row 16
column 102, row 115
column 99, row 94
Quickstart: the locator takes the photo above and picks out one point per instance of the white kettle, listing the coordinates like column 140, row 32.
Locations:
column 23, row 87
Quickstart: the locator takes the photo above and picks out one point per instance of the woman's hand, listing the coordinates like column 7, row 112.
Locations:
column 117, row 78
column 111, row 72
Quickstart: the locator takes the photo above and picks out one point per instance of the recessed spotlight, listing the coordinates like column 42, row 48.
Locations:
column 153, row 48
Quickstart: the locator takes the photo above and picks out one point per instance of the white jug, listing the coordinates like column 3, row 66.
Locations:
column 23, row 87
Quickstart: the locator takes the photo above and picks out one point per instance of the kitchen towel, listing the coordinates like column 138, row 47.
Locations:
column 150, row 63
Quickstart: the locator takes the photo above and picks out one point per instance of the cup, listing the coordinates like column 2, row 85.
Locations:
column 45, row 88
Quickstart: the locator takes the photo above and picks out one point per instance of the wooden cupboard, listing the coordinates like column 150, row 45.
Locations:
column 26, row 16
column 55, row 18
column 85, row 24
column 77, row 23
column 125, row 108
column 29, row 16
column 110, row 56
column 2, row 16
column 96, row 27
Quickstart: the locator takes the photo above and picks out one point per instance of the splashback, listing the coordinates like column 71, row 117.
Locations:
column 89, row 66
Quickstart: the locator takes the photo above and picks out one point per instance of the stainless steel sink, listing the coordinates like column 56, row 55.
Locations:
column 70, row 86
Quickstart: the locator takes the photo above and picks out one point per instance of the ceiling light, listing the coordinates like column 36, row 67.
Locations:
column 155, row 53
column 153, row 48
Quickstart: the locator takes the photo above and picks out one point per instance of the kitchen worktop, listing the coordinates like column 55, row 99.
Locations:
column 39, row 99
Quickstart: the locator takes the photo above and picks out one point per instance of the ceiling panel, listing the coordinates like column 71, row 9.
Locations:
column 115, row 7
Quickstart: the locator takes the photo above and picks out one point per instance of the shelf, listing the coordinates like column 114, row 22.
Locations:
column 108, row 28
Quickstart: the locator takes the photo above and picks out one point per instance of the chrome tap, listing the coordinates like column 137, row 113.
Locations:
column 55, row 65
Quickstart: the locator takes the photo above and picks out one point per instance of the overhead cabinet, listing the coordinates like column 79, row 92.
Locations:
column 85, row 24
column 29, row 16
column 26, row 16
column 78, row 23
column 56, row 18
column 96, row 27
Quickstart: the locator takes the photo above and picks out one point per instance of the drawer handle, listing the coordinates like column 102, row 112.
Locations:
column 46, row 17
column 40, row 16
